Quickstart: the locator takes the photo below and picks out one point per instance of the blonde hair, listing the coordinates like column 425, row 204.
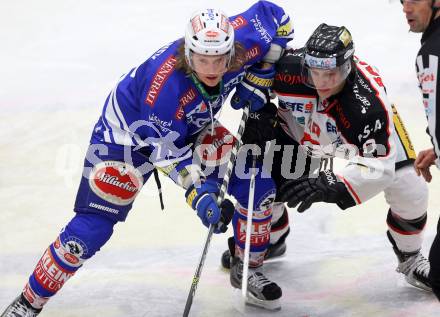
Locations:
column 238, row 60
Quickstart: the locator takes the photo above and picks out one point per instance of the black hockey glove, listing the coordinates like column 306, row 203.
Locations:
column 261, row 126
column 227, row 212
column 306, row 191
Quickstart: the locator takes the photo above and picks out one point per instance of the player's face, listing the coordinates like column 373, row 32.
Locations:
column 418, row 14
column 327, row 82
column 210, row 69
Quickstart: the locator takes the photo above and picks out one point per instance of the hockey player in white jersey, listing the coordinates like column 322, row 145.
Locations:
column 331, row 104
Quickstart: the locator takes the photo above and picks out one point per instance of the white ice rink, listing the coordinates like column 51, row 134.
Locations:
column 58, row 61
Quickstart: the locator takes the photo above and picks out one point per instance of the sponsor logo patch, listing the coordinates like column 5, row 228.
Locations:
column 224, row 25
column 239, row 22
column 196, row 24
column 115, row 182
column 187, row 97
column 104, row 208
column 253, row 53
column 258, row 25
column 345, row 38
column 71, row 250
column 260, row 234
column 210, row 33
column 49, row 274
column 162, row 125
column 285, row 30
column 36, row 300
column 159, row 80
column 289, row 79
column 299, row 103
column 213, row 149
column 266, row 201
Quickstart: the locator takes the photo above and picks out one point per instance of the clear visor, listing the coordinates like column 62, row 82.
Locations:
column 323, row 78
column 409, row 1
column 212, row 65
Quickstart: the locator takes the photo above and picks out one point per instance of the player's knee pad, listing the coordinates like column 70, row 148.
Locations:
column 279, row 224
column 85, row 234
column 407, row 233
column 78, row 241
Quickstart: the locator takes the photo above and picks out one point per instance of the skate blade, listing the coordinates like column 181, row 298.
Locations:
column 245, row 305
column 413, row 282
column 272, row 305
column 278, row 258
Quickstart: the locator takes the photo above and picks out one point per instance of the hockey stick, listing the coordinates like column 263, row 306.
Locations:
column 247, row 245
column 220, row 198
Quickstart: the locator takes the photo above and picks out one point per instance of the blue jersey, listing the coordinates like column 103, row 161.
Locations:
column 159, row 108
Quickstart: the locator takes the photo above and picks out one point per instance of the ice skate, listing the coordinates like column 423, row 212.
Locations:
column 413, row 265
column 20, row 308
column 416, row 269
column 262, row 292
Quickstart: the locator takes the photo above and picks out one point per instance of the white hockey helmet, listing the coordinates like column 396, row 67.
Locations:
column 209, row 32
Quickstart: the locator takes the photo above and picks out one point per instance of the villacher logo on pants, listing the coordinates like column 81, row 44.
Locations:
column 116, row 182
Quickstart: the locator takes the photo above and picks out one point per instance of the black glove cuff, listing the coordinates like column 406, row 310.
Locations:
column 345, row 200
column 227, row 212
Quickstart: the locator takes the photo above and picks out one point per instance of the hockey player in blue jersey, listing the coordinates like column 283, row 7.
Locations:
column 151, row 121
